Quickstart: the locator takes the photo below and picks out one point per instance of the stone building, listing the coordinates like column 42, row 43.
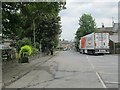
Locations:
column 64, row 43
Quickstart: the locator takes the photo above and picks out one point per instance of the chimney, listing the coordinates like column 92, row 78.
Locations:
column 102, row 25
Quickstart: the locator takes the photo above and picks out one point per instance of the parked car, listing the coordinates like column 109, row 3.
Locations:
column 65, row 49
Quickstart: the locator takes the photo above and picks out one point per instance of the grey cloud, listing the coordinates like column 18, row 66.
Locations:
column 101, row 11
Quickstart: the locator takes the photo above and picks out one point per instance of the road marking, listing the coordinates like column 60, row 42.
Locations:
column 91, row 63
column 101, row 80
column 112, row 82
column 98, row 75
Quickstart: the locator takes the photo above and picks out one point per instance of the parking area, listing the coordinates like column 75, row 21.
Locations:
column 107, row 67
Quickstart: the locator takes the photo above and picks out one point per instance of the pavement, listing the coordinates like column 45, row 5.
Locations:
column 69, row 69
column 13, row 71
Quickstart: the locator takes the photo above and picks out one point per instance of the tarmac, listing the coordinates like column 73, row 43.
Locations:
column 13, row 71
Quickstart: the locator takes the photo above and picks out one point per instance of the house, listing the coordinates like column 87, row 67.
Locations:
column 114, row 32
column 64, row 43
column 105, row 29
column 113, row 29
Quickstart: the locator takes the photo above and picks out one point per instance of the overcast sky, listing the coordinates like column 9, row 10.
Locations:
column 101, row 10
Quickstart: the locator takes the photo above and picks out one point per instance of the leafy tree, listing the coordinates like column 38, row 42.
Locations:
column 11, row 20
column 21, row 19
column 87, row 26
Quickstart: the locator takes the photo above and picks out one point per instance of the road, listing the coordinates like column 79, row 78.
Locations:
column 70, row 69
column 0, row 75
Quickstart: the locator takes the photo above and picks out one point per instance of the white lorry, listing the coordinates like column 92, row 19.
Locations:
column 94, row 43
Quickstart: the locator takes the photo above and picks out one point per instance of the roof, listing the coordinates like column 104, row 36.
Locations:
column 113, row 29
column 105, row 29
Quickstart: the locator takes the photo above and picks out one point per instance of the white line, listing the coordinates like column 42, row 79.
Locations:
column 102, row 82
column 112, row 82
column 91, row 63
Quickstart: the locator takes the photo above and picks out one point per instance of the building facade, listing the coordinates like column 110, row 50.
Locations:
column 64, row 44
column 114, row 36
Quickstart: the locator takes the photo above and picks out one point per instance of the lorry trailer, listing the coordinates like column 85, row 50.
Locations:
column 95, row 43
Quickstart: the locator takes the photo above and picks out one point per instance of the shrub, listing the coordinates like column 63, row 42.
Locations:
column 22, row 42
column 25, row 50
column 60, row 48
column 35, row 51
column 36, row 45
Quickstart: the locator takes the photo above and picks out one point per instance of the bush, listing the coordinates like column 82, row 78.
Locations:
column 22, row 43
column 60, row 48
column 35, row 51
column 25, row 51
column 36, row 45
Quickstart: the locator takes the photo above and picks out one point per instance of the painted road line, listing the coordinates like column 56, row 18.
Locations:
column 101, row 80
column 90, row 63
column 111, row 82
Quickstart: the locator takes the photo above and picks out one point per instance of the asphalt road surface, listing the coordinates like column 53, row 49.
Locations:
column 0, row 75
column 70, row 69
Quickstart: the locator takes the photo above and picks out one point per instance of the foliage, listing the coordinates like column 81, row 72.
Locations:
column 35, row 51
column 59, row 48
column 21, row 19
column 36, row 45
column 23, row 42
column 87, row 26
column 11, row 21
column 25, row 50
column 12, row 44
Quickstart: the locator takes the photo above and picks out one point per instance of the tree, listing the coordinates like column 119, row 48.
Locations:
column 21, row 19
column 11, row 20
column 87, row 26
